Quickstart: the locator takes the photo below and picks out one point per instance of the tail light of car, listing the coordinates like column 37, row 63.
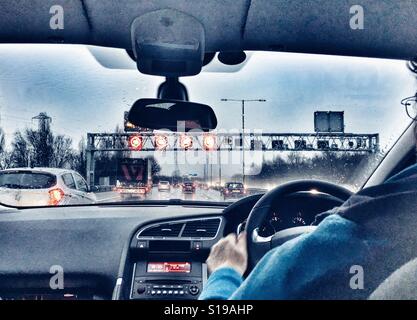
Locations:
column 55, row 196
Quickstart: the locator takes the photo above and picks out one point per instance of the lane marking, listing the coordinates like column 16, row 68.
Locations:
column 110, row 198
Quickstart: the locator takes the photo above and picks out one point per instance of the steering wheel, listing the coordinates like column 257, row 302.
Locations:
column 258, row 245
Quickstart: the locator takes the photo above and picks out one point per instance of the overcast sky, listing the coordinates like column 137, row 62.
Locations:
column 82, row 96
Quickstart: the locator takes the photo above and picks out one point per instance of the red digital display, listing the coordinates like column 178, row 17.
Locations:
column 169, row 267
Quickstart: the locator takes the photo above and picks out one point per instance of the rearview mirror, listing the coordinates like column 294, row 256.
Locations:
column 174, row 115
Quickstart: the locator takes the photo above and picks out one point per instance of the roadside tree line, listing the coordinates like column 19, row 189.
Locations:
column 44, row 148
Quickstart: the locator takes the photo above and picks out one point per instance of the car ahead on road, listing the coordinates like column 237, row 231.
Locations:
column 233, row 190
column 188, row 187
column 217, row 186
column 43, row 187
column 164, row 186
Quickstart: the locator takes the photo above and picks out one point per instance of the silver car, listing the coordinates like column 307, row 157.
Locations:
column 164, row 186
column 43, row 187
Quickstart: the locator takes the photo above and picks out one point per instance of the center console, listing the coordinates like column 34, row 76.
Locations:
column 168, row 259
column 172, row 280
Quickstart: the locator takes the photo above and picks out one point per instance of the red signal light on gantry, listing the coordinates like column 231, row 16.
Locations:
column 135, row 143
column 161, row 142
column 186, row 142
column 209, row 142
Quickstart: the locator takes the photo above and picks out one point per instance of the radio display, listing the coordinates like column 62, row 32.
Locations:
column 169, row 267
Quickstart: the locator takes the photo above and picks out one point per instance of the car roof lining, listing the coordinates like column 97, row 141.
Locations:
column 304, row 26
column 322, row 26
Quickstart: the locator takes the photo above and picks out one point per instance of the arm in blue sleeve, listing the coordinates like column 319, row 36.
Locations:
column 226, row 283
column 283, row 273
column 221, row 284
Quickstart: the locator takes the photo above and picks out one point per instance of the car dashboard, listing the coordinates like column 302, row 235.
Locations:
column 126, row 251
column 100, row 249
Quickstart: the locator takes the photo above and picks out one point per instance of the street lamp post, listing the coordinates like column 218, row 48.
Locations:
column 243, row 101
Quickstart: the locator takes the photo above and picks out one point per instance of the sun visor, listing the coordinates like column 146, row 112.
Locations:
column 168, row 43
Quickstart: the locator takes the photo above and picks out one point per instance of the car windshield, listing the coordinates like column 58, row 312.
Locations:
column 302, row 117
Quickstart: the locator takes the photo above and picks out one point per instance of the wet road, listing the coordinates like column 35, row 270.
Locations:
column 175, row 193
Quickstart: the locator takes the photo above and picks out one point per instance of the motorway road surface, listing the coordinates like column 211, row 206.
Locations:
column 199, row 195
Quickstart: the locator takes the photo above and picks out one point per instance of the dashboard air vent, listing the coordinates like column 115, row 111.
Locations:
column 163, row 230
column 205, row 228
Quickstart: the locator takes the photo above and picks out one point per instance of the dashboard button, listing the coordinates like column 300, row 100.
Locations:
column 194, row 290
column 196, row 245
column 142, row 245
column 141, row 289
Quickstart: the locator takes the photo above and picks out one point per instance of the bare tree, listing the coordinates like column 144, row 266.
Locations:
column 41, row 143
column 62, row 152
column 79, row 160
column 2, row 141
column 20, row 153
column 4, row 155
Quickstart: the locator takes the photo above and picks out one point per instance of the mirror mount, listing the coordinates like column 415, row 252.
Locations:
column 172, row 89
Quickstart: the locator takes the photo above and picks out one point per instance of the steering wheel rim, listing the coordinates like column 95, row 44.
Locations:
column 257, row 245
